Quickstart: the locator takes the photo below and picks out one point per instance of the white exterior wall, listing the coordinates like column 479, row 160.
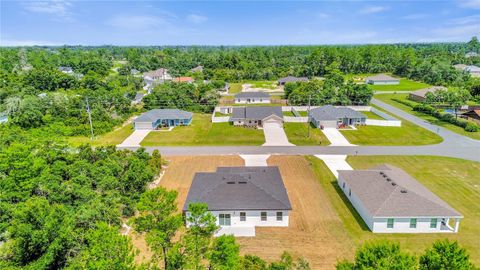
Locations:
column 357, row 204
column 252, row 100
column 326, row 124
column 143, row 125
column 293, row 119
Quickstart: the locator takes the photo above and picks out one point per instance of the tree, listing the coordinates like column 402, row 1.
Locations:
column 158, row 219
column 381, row 255
column 201, row 226
column 251, row 262
column 445, row 255
column 457, row 98
column 105, row 248
column 224, row 253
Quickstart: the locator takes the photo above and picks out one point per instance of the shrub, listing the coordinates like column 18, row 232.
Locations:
column 471, row 127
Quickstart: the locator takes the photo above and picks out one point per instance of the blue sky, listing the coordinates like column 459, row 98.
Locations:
column 235, row 23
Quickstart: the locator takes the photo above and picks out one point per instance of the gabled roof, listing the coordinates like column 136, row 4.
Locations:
column 477, row 112
column 388, row 191
column 292, row 79
column 156, row 73
column 154, row 115
column 256, row 112
column 424, row 91
column 252, row 95
column 240, row 188
column 381, row 77
column 472, row 69
column 329, row 112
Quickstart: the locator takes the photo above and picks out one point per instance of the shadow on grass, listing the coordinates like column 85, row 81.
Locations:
column 350, row 207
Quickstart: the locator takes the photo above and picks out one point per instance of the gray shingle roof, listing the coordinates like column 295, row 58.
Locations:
column 382, row 77
column 154, row 115
column 396, row 194
column 252, row 95
column 424, row 91
column 329, row 112
column 256, row 112
column 292, row 79
column 240, row 188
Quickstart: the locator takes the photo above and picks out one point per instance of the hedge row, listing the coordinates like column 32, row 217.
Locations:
column 424, row 108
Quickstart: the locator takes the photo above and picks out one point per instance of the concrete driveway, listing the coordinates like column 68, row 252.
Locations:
column 335, row 163
column 335, row 137
column 134, row 139
column 275, row 135
column 255, row 160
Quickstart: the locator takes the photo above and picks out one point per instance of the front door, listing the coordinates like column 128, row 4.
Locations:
column 224, row 219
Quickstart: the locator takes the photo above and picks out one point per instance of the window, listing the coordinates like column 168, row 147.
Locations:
column 279, row 216
column 413, row 223
column 349, row 192
column 433, row 223
column 263, row 216
column 390, row 223
column 343, row 185
column 243, row 216
column 224, row 219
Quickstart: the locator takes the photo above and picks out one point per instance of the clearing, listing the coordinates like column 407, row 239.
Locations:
column 111, row 138
column 405, row 84
column 387, row 98
column 454, row 180
column 203, row 132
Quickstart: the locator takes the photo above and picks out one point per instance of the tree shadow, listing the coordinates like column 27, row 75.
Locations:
column 350, row 207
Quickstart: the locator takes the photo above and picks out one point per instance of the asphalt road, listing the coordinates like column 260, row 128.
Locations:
column 453, row 145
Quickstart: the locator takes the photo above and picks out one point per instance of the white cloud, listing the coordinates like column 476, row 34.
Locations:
column 197, row 19
column 414, row 16
column 372, row 9
column 475, row 4
column 474, row 19
column 59, row 8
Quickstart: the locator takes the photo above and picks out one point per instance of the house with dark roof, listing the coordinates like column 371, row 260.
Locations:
column 197, row 69
column 421, row 94
column 328, row 116
column 252, row 97
column 391, row 201
column 257, row 116
column 242, row 198
column 66, row 70
column 284, row 80
column 157, row 118
column 382, row 79
column 472, row 115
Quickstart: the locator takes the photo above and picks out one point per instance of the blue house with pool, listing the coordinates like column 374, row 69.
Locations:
column 159, row 118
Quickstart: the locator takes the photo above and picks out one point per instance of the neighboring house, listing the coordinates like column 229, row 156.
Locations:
column 252, row 97
column 156, row 118
column 328, row 116
column 474, row 71
column 242, row 198
column 66, row 70
column 391, row 201
column 197, row 69
column 184, row 79
column 283, row 81
column 420, row 95
column 3, row 118
column 134, row 71
column 160, row 74
column 382, row 79
column 473, row 115
column 257, row 116
column 226, row 87
column 471, row 54
column 138, row 98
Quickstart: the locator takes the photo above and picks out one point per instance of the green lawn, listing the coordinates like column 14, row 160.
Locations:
column 303, row 113
column 203, row 132
column 235, row 88
column 405, row 85
column 262, row 84
column 297, row 134
column 372, row 115
column 387, row 98
column 454, row 180
column 112, row 138
column 219, row 114
column 288, row 113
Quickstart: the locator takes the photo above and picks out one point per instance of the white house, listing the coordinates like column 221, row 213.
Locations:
column 391, row 201
column 382, row 79
column 242, row 198
column 252, row 97
column 151, row 78
column 257, row 116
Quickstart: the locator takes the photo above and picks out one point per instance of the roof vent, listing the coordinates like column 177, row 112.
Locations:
column 394, row 184
column 403, row 191
column 382, row 173
column 249, row 176
column 388, row 179
column 231, row 182
column 242, row 182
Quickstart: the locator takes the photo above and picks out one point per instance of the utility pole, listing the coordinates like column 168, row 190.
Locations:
column 308, row 115
column 89, row 117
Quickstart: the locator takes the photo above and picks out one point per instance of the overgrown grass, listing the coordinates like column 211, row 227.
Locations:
column 203, row 132
column 262, row 84
column 235, row 88
column 404, row 85
column 288, row 113
column 297, row 134
column 112, row 138
column 456, row 181
column 387, row 98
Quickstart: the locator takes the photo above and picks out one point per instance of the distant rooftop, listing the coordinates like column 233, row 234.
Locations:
column 424, row 91
column 292, row 79
column 256, row 112
column 252, row 95
column 156, row 114
column 329, row 112
column 382, row 77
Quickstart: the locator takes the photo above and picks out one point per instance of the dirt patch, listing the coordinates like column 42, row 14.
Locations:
column 315, row 232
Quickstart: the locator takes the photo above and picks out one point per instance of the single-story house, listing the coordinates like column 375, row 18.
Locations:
column 257, row 116
column 284, row 80
column 66, row 70
column 242, row 198
column 138, row 98
column 3, row 118
column 252, row 97
column 471, row 54
column 134, row 71
column 328, row 116
column 473, row 115
column 184, row 79
column 391, row 201
column 162, row 118
column 382, row 79
column 160, row 74
column 473, row 70
column 197, row 69
column 420, row 95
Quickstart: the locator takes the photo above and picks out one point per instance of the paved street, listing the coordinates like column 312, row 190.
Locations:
column 454, row 145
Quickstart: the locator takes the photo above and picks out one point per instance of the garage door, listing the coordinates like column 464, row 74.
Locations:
column 143, row 125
